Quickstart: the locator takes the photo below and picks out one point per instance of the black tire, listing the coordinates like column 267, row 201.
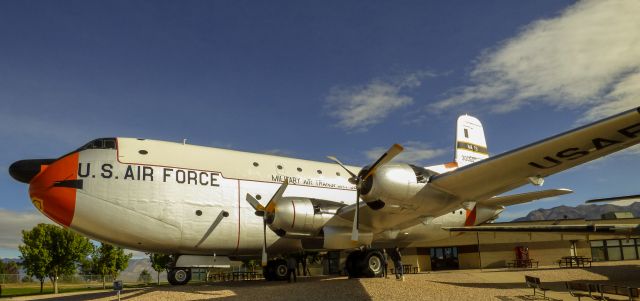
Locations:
column 280, row 270
column 276, row 270
column 353, row 264
column 179, row 276
column 371, row 264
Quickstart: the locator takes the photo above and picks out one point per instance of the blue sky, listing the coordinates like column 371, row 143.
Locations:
column 309, row 79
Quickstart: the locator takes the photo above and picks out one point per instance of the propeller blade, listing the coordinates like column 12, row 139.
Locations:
column 264, row 244
column 393, row 151
column 254, row 203
column 356, row 219
column 334, row 159
column 271, row 206
column 618, row 198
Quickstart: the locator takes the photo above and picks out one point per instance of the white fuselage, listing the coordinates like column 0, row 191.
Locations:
column 168, row 197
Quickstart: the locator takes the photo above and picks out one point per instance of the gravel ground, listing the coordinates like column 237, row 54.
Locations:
column 494, row 284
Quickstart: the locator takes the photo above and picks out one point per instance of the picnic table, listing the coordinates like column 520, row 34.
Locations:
column 407, row 268
column 522, row 263
column 574, row 261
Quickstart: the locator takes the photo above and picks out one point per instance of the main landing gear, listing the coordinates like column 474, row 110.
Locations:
column 275, row 270
column 366, row 263
column 179, row 276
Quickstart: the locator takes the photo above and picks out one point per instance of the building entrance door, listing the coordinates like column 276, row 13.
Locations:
column 444, row 258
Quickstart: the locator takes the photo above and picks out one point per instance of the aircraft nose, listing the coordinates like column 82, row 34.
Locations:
column 50, row 193
column 25, row 170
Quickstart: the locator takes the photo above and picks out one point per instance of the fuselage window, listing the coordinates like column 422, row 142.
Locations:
column 279, row 166
column 338, row 174
column 143, row 152
column 255, row 164
column 299, row 169
column 319, row 172
column 258, row 197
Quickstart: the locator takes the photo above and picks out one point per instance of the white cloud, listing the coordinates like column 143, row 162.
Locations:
column 586, row 57
column 360, row 107
column 13, row 222
column 414, row 152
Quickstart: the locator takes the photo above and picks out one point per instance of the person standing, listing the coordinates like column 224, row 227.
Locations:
column 397, row 263
column 292, row 263
column 385, row 264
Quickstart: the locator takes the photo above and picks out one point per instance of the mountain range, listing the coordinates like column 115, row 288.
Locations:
column 591, row 211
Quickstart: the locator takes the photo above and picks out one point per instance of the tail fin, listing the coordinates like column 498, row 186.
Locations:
column 470, row 143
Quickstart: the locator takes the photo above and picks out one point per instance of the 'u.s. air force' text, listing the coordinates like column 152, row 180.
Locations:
column 146, row 173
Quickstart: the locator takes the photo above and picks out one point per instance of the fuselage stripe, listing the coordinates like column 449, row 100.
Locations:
column 238, row 243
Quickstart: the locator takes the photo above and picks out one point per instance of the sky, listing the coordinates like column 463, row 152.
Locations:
column 309, row 79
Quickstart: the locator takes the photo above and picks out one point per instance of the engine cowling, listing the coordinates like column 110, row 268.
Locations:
column 299, row 217
column 394, row 181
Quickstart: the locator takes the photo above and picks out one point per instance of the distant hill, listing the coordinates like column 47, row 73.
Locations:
column 131, row 273
column 591, row 211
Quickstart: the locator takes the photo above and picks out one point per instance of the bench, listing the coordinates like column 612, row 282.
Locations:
column 580, row 289
column 538, row 290
column 630, row 292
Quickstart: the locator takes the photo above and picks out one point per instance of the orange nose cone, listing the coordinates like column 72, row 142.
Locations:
column 58, row 203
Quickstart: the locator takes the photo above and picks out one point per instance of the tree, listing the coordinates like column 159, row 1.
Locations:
column 144, row 276
column 52, row 251
column 11, row 267
column 160, row 262
column 35, row 253
column 110, row 260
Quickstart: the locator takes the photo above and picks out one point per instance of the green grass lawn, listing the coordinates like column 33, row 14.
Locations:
column 14, row 290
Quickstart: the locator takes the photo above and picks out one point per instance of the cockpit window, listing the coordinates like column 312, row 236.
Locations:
column 102, row 143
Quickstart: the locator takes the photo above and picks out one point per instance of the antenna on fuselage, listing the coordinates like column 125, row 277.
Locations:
column 184, row 141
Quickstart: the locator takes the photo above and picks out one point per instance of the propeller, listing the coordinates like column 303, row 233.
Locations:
column 359, row 180
column 267, row 214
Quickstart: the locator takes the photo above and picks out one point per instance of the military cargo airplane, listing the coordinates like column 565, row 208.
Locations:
column 205, row 204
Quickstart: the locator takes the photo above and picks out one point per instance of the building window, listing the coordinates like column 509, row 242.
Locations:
column 629, row 249
column 615, row 249
column 597, row 251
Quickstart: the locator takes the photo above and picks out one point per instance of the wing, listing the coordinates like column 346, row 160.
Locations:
column 509, row 200
column 496, row 175
column 614, row 229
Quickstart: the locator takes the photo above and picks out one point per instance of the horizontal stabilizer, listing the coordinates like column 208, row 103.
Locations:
column 514, row 199
column 619, row 229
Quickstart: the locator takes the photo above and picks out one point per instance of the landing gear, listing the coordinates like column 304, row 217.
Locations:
column 275, row 270
column 366, row 264
column 179, row 276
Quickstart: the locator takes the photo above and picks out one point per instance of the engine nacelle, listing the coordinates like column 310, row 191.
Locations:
column 395, row 181
column 298, row 217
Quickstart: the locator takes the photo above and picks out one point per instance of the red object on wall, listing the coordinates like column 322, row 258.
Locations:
column 522, row 253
